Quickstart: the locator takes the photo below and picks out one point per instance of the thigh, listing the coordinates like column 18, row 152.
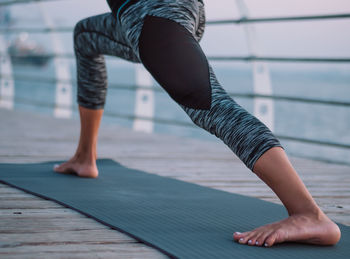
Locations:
column 175, row 59
column 187, row 13
column 102, row 34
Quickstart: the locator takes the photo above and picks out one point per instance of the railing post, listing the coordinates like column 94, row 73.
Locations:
column 63, row 93
column 263, row 107
column 144, row 100
column 7, row 86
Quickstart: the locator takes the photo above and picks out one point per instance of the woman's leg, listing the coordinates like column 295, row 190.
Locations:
column 83, row 162
column 209, row 106
column 93, row 37
column 306, row 222
column 179, row 65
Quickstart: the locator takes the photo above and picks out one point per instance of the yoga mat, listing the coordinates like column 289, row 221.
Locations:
column 180, row 219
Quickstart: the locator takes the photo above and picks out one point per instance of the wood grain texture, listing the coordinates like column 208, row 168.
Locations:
column 31, row 227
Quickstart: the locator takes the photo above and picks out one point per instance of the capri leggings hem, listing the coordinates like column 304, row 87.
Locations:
column 260, row 153
column 91, row 106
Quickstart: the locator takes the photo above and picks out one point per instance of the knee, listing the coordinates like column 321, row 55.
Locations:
column 78, row 29
column 193, row 96
column 175, row 59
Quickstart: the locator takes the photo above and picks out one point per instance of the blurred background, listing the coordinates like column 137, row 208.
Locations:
column 287, row 62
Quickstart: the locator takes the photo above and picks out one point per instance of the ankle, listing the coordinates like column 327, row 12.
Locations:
column 314, row 212
column 85, row 156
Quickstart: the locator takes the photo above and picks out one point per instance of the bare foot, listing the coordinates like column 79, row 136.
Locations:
column 79, row 167
column 302, row 228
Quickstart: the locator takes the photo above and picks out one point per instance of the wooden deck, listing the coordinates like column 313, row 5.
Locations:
column 31, row 227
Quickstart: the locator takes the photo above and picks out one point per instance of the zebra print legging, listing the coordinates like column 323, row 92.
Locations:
column 164, row 36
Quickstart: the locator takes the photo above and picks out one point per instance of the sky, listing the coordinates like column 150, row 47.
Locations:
column 321, row 38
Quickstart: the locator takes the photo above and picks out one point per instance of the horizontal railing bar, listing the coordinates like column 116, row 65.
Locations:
column 158, row 89
column 189, row 124
column 279, row 19
column 35, row 30
column 278, row 59
column 48, row 55
column 111, row 114
column 9, row 2
column 290, row 98
column 312, row 141
column 157, row 120
column 176, row 122
column 212, row 22
column 215, row 58
column 65, row 81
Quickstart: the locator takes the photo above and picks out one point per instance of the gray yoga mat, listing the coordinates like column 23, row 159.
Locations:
column 180, row 219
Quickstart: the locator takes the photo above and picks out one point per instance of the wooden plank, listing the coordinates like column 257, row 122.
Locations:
column 130, row 254
column 26, row 137
column 56, row 212
column 33, row 204
column 84, row 250
column 82, row 235
column 29, row 225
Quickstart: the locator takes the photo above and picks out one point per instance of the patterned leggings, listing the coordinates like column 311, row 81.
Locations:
column 164, row 36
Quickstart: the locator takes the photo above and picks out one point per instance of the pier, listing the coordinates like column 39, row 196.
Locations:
column 31, row 227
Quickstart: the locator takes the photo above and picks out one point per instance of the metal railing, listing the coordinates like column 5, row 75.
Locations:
column 12, row 2
column 176, row 122
column 221, row 58
column 279, row 19
column 213, row 58
column 38, row 79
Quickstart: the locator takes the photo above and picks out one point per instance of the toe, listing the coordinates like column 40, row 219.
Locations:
column 58, row 168
column 251, row 242
column 260, row 241
column 247, row 239
column 270, row 240
column 243, row 240
column 252, row 238
column 238, row 235
column 63, row 168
